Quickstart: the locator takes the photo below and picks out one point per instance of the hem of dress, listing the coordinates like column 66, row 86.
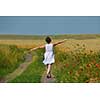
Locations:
column 48, row 63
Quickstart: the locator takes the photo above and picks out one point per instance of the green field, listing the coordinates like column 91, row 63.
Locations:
column 35, row 37
column 77, row 60
column 10, row 58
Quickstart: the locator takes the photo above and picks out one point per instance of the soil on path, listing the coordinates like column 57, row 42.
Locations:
column 22, row 68
column 44, row 79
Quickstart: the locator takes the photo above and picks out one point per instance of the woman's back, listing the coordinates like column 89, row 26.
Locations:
column 49, row 47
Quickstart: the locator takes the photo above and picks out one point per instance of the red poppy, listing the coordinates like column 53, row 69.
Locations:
column 67, row 65
column 97, row 73
column 74, row 65
column 88, row 65
column 98, row 66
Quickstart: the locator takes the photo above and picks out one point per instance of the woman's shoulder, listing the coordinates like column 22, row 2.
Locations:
column 49, row 44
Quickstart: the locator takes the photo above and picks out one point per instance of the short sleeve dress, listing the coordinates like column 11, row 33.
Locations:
column 49, row 54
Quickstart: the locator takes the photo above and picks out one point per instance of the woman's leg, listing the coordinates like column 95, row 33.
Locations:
column 49, row 70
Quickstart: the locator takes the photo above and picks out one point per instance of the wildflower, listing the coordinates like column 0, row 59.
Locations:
column 85, row 54
column 98, row 66
column 81, row 68
column 97, row 73
column 74, row 65
column 77, row 74
column 94, row 62
column 98, row 78
column 83, row 45
column 91, row 51
column 88, row 65
column 70, row 72
column 77, row 44
column 67, row 65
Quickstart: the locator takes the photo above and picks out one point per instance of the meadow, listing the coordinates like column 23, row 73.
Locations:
column 77, row 60
column 10, row 58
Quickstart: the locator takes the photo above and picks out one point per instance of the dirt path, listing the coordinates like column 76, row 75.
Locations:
column 19, row 70
column 44, row 79
column 22, row 68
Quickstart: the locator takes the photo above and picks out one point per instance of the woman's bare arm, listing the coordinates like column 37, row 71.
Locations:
column 44, row 46
column 59, row 42
column 36, row 48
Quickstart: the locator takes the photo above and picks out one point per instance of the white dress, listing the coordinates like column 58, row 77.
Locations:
column 48, row 55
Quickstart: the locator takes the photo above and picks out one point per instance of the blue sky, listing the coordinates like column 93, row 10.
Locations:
column 49, row 24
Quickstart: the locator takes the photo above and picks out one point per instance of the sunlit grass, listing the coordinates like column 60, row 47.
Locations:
column 77, row 59
column 10, row 58
column 77, row 66
column 34, row 71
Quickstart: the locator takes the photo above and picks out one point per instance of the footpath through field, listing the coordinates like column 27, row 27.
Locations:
column 44, row 79
column 23, row 67
column 28, row 60
column 19, row 70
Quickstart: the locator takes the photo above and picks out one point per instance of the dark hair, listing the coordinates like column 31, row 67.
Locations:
column 48, row 39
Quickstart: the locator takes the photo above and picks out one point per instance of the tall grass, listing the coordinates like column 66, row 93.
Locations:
column 10, row 58
column 74, row 62
column 34, row 71
column 77, row 66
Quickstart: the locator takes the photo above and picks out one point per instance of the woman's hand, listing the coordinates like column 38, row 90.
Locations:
column 59, row 42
